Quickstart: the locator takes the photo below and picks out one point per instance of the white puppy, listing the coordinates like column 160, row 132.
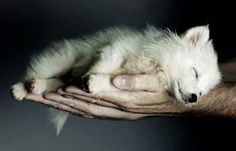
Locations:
column 186, row 65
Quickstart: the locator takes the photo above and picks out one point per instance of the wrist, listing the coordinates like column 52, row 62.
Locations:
column 221, row 101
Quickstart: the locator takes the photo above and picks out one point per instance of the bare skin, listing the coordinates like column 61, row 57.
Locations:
column 146, row 99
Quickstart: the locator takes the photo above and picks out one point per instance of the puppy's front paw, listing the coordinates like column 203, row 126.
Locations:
column 99, row 84
column 18, row 91
column 37, row 86
column 94, row 84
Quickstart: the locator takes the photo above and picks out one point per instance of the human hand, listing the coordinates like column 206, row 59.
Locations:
column 142, row 96
column 84, row 104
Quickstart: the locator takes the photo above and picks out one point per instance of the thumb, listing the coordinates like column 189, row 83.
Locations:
column 141, row 82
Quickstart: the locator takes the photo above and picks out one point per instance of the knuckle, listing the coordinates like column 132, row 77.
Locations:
column 129, row 106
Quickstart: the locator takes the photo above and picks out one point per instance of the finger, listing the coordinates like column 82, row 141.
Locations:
column 164, row 108
column 40, row 99
column 140, row 98
column 140, row 102
column 87, row 98
column 129, row 107
column 168, row 109
column 123, row 97
column 142, row 82
column 96, row 110
column 78, row 91
column 144, row 102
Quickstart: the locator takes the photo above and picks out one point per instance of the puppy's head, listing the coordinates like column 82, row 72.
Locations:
column 191, row 64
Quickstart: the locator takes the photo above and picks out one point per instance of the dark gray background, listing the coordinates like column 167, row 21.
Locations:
column 27, row 26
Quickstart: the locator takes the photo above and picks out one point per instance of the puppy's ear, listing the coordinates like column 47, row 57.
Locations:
column 197, row 35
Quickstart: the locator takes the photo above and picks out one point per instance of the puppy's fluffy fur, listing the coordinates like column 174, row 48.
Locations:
column 186, row 64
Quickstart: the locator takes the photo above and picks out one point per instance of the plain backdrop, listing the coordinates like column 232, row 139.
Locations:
column 28, row 26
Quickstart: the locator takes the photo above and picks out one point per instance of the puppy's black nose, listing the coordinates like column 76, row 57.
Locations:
column 193, row 98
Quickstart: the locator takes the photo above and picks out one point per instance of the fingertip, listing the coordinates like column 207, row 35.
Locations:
column 120, row 81
column 34, row 97
column 60, row 91
column 70, row 88
column 123, row 82
column 50, row 95
column 74, row 90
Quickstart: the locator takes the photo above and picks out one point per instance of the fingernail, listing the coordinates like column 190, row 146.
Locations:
column 120, row 82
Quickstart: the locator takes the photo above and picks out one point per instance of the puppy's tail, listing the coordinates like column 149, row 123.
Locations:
column 58, row 118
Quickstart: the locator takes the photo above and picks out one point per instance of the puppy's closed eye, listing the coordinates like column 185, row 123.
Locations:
column 196, row 73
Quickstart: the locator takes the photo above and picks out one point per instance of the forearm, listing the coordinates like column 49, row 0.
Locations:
column 221, row 101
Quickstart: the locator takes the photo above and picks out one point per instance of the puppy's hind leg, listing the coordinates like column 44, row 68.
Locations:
column 53, row 62
column 18, row 91
column 39, row 86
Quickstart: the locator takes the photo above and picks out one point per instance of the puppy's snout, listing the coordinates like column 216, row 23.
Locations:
column 192, row 98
